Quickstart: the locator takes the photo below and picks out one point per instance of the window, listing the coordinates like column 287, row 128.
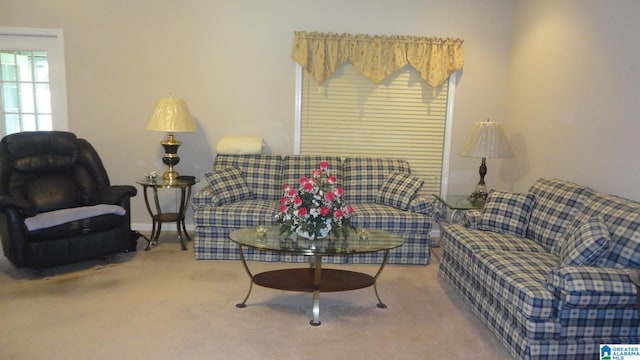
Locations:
column 403, row 117
column 32, row 80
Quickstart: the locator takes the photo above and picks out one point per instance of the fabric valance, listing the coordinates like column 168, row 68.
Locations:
column 377, row 57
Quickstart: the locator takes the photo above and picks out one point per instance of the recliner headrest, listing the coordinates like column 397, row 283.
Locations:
column 42, row 151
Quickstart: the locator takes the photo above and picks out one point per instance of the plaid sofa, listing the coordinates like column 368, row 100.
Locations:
column 361, row 178
column 560, row 288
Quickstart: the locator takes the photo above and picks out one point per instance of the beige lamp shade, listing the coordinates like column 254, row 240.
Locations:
column 486, row 140
column 171, row 115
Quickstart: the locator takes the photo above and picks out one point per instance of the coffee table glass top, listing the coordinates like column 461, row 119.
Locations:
column 377, row 240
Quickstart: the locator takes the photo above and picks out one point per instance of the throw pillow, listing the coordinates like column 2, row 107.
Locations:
column 506, row 213
column 228, row 186
column 586, row 243
column 398, row 190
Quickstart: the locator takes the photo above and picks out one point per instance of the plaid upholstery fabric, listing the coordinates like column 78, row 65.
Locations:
column 506, row 213
column 592, row 287
column 228, row 186
column 470, row 218
column 461, row 244
column 421, row 205
column 213, row 244
column 214, row 223
column 263, row 173
column 557, row 202
column 295, row 166
column 529, row 338
column 595, row 302
column 383, row 217
column 537, row 307
column 585, row 244
column 363, row 177
column 202, row 198
column 517, row 281
column 398, row 190
column 237, row 215
column 622, row 217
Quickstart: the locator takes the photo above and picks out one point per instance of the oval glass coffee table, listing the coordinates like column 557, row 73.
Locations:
column 314, row 278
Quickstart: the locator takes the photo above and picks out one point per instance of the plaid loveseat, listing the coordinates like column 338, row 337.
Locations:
column 228, row 206
column 547, row 271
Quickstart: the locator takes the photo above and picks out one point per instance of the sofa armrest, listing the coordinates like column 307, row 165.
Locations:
column 421, row 205
column 592, row 287
column 470, row 218
column 203, row 198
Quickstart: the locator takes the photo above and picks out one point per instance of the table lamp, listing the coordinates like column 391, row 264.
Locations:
column 171, row 115
column 485, row 140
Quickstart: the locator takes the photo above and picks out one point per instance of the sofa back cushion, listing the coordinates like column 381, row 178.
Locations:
column 557, row 203
column 262, row 173
column 622, row 218
column 507, row 213
column 363, row 177
column 228, row 186
column 296, row 166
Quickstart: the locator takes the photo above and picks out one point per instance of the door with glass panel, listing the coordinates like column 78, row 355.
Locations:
column 32, row 84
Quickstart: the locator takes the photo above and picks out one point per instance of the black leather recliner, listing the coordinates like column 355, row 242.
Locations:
column 56, row 202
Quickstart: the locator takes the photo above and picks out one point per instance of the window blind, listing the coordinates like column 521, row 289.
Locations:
column 402, row 117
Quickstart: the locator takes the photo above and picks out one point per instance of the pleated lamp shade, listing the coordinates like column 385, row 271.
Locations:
column 486, row 140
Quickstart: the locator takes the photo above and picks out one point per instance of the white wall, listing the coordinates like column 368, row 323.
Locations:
column 573, row 99
column 230, row 61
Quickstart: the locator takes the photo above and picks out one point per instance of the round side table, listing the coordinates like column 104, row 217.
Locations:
column 158, row 216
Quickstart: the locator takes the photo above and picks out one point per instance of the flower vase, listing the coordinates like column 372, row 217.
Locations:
column 323, row 233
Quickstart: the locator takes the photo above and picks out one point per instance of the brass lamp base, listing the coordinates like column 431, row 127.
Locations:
column 170, row 157
column 170, row 174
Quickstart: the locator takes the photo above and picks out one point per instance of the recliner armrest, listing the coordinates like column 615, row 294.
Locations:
column 22, row 206
column 592, row 287
column 113, row 194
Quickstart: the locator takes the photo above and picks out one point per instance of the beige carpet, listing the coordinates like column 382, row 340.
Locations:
column 163, row 304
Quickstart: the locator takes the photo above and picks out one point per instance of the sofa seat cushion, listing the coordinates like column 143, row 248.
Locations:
column 517, row 282
column 94, row 224
column 62, row 216
column 557, row 203
column 384, row 217
column 243, row 213
column 470, row 240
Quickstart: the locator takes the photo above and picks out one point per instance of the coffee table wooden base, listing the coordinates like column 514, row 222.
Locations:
column 313, row 279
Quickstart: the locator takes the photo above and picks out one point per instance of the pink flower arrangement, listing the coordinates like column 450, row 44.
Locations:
column 314, row 209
